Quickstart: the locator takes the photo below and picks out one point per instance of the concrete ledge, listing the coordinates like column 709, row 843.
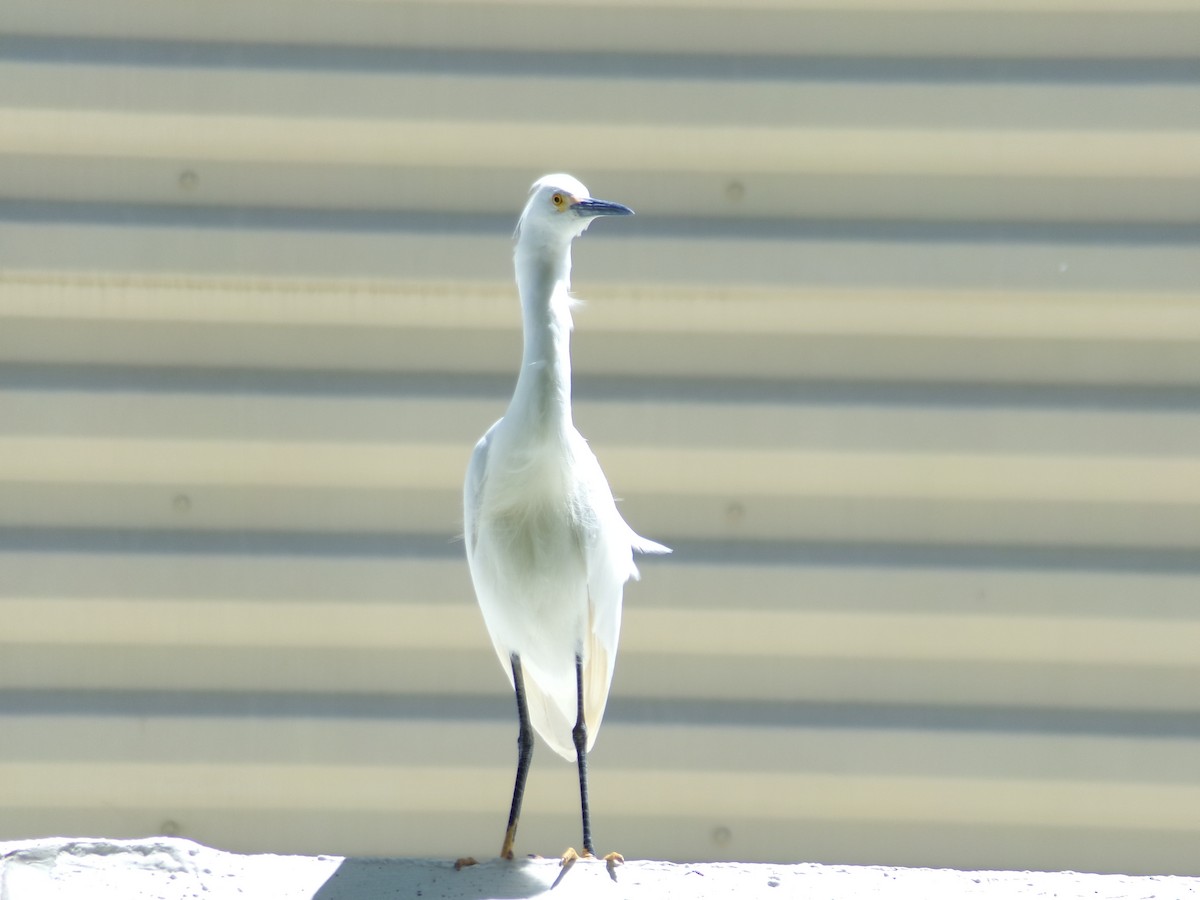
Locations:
column 171, row 868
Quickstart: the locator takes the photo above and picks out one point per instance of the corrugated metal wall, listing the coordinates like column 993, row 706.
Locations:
column 902, row 355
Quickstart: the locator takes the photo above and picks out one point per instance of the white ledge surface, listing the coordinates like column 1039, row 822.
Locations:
column 170, row 868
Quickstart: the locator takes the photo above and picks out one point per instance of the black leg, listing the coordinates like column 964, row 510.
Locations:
column 524, row 757
column 580, row 736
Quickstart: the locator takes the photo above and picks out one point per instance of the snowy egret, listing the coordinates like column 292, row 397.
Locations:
column 548, row 552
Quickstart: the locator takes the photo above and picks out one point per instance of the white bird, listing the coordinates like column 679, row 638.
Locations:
column 548, row 552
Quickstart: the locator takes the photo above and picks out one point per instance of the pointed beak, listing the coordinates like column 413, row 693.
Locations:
column 592, row 207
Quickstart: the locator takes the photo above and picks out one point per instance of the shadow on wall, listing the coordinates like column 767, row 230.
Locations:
column 355, row 879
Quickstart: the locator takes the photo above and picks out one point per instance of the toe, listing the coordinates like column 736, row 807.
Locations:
column 613, row 860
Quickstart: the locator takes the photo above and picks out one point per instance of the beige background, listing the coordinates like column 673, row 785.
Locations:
column 900, row 354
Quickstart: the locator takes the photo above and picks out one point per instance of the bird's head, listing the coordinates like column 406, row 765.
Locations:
column 559, row 210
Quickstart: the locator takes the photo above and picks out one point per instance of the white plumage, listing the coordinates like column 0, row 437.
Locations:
column 548, row 551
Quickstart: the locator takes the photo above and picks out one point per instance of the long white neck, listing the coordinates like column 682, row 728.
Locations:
column 542, row 400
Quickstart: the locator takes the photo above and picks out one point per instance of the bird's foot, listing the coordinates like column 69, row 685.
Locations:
column 571, row 856
column 612, row 860
column 568, row 859
column 463, row 861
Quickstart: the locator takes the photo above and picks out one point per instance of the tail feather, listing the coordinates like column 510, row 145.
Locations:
column 645, row 545
column 549, row 719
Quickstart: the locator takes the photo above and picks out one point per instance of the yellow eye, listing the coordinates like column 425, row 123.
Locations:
column 559, row 201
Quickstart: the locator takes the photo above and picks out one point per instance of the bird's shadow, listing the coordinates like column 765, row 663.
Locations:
column 359, row 878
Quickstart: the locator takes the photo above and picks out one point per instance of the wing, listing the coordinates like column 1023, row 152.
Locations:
column 609, row 546
column 473, row 490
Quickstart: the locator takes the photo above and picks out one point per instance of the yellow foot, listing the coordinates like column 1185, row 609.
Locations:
column 613, row 860
column 567, row 860
column 571, row 856
column 463, row 861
